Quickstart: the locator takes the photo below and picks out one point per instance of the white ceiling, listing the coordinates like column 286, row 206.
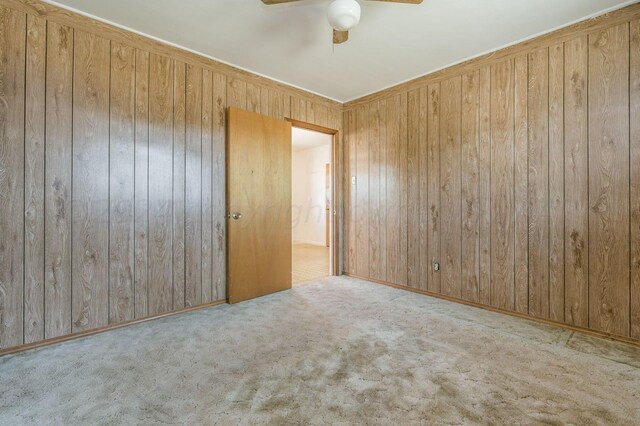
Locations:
column 302, row 139
column 292, row 42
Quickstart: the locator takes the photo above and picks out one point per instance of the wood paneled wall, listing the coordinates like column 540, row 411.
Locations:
column 112, row 165
column 519, row 173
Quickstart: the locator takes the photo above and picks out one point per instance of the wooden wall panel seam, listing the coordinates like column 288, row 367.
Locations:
column 576, row 179
column 433, row 218
column 13, row 27
column 634, row 120
column 484, row 285
column 141, row 179
column 34, row 235
column 521, row 185
column 556, row 183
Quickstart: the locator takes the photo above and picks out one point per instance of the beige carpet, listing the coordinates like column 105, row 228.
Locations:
column 310, row 262
column 336, row 351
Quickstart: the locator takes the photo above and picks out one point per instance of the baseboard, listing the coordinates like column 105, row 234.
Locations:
column 73, row 336
column 569, row 327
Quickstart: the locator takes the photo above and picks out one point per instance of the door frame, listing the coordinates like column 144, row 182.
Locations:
column 336, row 192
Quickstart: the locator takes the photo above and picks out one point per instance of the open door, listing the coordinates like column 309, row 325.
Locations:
column 327, row 203
column 259, row 205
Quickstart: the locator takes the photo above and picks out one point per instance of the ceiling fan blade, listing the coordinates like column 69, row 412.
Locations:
column 400, row 1
column 340, row 36
column 269, row 2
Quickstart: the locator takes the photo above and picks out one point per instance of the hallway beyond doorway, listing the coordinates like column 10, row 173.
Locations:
column 310, row 262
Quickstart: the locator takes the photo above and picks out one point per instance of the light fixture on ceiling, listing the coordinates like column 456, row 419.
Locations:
column 344, row 14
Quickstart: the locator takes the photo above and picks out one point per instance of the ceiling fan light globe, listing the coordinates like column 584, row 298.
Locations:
column 344, row 14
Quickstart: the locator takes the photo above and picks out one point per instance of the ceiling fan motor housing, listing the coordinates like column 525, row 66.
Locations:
column 344, row 14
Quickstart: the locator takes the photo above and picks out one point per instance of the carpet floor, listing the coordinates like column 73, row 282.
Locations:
column 336, row 351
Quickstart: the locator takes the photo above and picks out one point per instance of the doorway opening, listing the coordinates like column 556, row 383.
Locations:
column 311, row 204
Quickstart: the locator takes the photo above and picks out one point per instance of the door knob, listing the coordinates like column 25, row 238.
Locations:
column 235, row 216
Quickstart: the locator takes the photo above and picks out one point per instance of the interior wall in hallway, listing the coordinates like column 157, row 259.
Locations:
column 112, row 171
column 309, row 195
column 519, row 173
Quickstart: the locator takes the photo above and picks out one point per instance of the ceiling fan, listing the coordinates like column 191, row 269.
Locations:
column 343, row 15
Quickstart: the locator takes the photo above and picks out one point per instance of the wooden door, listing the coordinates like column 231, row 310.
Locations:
column 259, row 205
column 327, row 196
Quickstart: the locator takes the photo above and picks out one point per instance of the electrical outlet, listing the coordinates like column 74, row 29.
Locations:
column 436, row 267
column 353, row 180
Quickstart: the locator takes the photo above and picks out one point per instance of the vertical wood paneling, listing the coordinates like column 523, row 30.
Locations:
column 382, row 179
column 122, row 184
column 264, row 102
column 219, row 291
column 393, row 189
column 362, row 192
column 57, row 221
column 635, row 178
column 112, row 170
column 556, row 182
column 298, row 109
column 413, row 189
column 207, row 186
column 193, row 194
column 521, row 193
column 253, row 98
column 13, row 26
column 276, row 104
column 141, row 192
column 484, row 186
column 160, row 184
column 470, row 246
column 403, row 189
column 538, row 111
column 90, row 258
column 321, row 117
column 423, row 182
column 236, row 93
column 286, row 102
column 433, row 173
column 576, row 184
column 374, row 191
column 522, row 181
column 179, row 183
column 450, row 198
column 311, row 112
column 350, row 190
column 502, row 191
column 609, row 180
column 550, row 149
column 34, row 127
